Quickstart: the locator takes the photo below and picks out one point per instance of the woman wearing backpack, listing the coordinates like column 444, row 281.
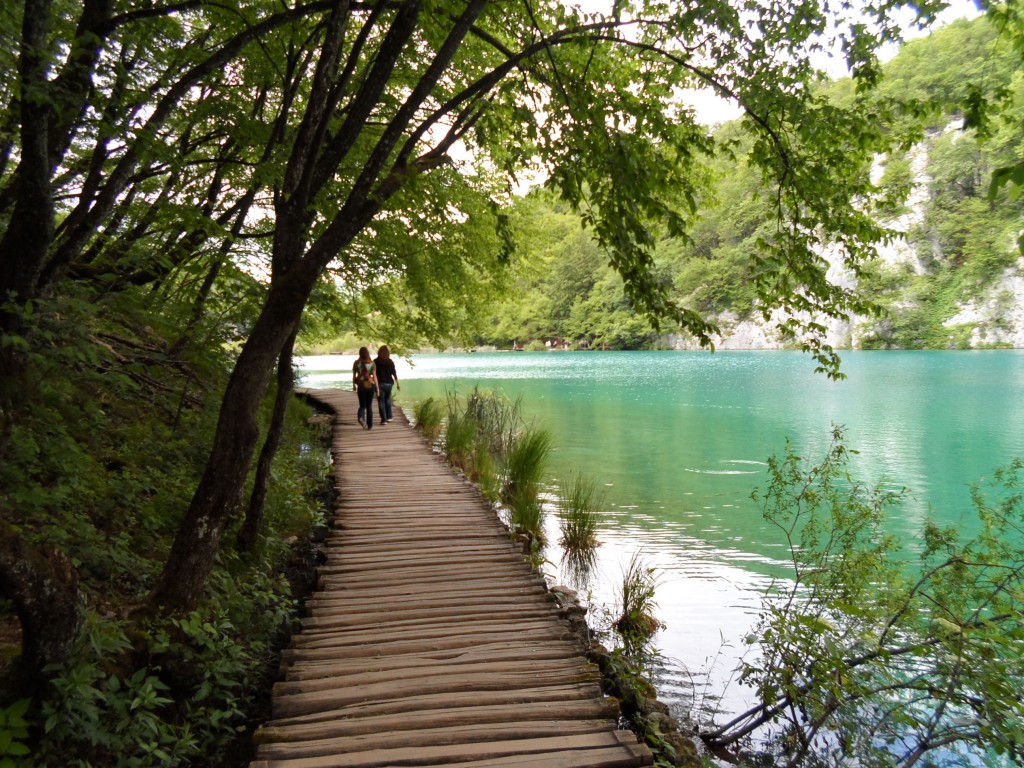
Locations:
column 364, row 382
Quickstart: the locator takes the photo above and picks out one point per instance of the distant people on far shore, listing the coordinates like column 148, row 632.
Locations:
column 387, row 378
column 364, row 382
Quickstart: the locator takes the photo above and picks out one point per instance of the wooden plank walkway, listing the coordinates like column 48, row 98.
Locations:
column 430, row 640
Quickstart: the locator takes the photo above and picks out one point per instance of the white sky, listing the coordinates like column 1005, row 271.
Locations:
column 713, row 110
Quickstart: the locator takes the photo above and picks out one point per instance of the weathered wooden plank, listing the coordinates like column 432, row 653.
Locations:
column 424, row 616
column 350, row 723
column 488, row 751
column 386, row 635
column 335, row 698
column 374, row 603
column 528, row 700
column 452, row 734
column 425, row 585
column 410, row 662
column 423, row 645
column 542, row 668
column 378, row 559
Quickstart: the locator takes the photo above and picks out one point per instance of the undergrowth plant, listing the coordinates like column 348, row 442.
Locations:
column 14, row 749
column 869, row 656
column 100, row 468
column 460, row 440
column 477, row 432
column 526, row 519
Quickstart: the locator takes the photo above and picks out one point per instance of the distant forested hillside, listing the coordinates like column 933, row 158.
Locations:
column 953, row 279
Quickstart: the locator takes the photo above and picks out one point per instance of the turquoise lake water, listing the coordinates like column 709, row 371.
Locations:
column 678, row 441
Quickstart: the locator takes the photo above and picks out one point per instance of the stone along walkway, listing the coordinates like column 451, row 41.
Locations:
column 430, row 640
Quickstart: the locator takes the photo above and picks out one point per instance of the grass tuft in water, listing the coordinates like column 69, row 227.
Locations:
column 578, row 566
column 578, row 518
column 460, row 440
column 636, row 622
column 429, row 416
column 526, row 518
column 525, row 465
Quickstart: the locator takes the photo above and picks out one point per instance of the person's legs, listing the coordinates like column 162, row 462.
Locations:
column 365, row 407
column 384, row 402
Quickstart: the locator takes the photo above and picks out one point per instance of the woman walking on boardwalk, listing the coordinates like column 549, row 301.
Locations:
column 364, row 382
column 387, row 377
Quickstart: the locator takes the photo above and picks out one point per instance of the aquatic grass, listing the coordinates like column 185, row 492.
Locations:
column 498, row 417
column 578, row 516
column 485, row 474
column 636, row 622
column 460, row 440
column 525, row 465
column 526, row 518
column 429, row 416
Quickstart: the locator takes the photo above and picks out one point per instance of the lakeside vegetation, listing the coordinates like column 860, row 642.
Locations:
column 96, row 475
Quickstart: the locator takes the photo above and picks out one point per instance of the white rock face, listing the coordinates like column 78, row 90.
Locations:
column 998, row 317
column 995, row 319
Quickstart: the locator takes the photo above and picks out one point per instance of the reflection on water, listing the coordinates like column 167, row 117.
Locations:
column 679, row 440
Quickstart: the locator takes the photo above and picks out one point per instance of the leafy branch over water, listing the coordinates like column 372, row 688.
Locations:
column 864, row 657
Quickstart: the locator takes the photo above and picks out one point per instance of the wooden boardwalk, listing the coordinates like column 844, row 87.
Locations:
column 430, row 640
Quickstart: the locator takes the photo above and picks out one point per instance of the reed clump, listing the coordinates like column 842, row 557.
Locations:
column 479, row 429
column 525, row 466
column 429, row 416
column 636, row 622
column 578, row 516
column 484, row 436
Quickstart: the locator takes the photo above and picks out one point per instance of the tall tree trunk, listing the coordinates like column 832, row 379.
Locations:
column 43, row 585
column 25, row 242
column 253, row 524
column 219, row 494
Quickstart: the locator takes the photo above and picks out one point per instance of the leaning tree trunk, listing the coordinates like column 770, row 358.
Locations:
column 253, row 524
column 219, row 494
column 43, row 585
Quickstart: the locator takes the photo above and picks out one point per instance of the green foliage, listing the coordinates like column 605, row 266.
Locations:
column 863, row 656
column 479, row 431
column 99, row 463
column 14, row 750
column 526, row 519
column 565, row 289
column 483, row 435
column 103, row 716
column 460, row 440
